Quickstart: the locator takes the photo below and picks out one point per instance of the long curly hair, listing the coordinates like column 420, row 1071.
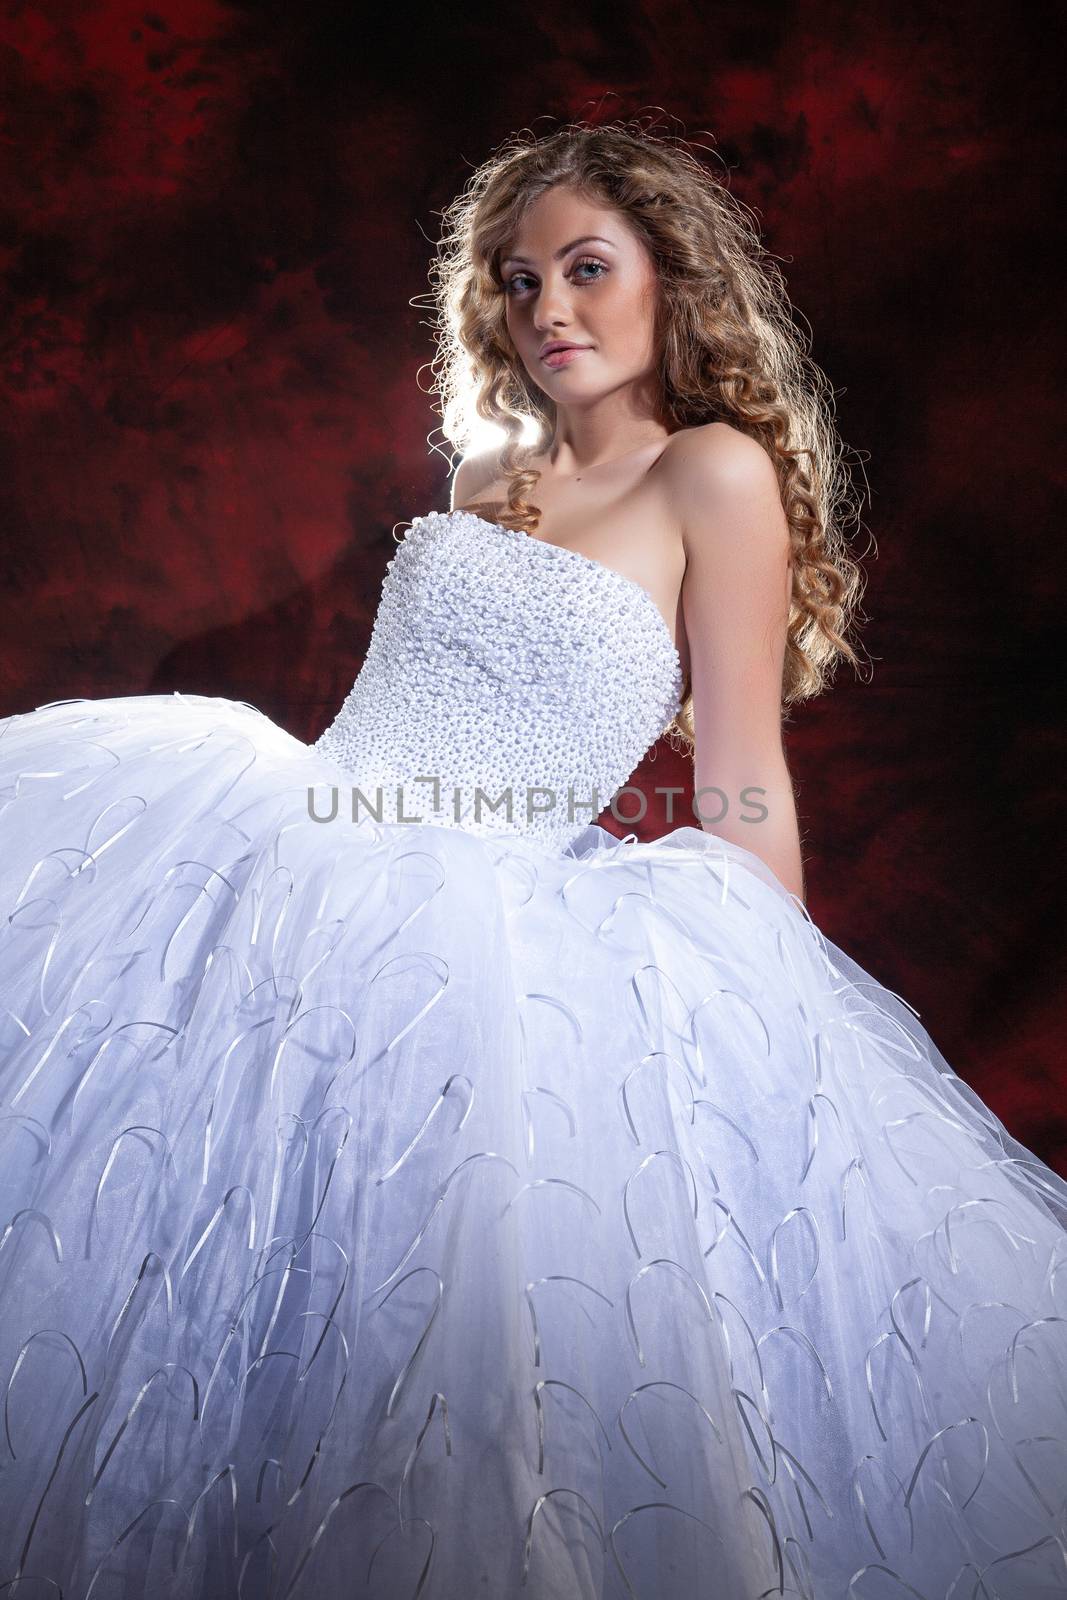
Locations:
column 728, row 348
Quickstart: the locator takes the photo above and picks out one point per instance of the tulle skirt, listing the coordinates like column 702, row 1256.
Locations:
column 387, row 1210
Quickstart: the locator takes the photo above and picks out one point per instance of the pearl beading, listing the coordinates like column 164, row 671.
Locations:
column 500, row 661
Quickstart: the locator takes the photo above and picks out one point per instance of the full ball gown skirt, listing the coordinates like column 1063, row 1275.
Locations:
column 442, row 1209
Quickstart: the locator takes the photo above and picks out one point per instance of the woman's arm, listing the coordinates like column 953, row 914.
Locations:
column 471, row 476
column 735, row 602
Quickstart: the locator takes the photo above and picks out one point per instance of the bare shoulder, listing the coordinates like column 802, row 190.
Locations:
column 474, row 473
column 719, row 476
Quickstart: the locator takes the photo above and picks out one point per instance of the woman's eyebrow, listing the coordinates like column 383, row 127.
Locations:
column 562, row 251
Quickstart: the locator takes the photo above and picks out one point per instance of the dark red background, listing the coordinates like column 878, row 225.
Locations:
column 215, row 218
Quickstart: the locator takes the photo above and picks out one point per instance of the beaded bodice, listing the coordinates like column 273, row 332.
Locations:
column 510, row 685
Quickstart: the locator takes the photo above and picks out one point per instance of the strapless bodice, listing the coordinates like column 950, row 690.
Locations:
column 510, row 685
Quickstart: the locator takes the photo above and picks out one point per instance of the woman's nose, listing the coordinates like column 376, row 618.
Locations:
column 552, row 305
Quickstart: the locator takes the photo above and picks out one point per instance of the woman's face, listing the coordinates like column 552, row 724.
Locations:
column 598, row 292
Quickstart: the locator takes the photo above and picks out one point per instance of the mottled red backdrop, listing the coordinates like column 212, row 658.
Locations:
column 214, row 219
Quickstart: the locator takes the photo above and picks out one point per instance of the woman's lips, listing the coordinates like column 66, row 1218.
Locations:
column 563, row 358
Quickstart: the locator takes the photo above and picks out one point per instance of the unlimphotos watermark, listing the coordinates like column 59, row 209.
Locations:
column 537, row 800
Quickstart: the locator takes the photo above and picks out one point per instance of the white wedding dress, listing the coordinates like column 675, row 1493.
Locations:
column 482, row 1205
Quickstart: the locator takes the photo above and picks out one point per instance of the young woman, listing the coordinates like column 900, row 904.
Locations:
column 407, row 1187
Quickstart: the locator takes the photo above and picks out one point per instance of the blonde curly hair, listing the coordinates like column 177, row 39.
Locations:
column 729, row 351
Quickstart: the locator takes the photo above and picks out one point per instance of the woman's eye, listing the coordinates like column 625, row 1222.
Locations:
column 587, row 261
